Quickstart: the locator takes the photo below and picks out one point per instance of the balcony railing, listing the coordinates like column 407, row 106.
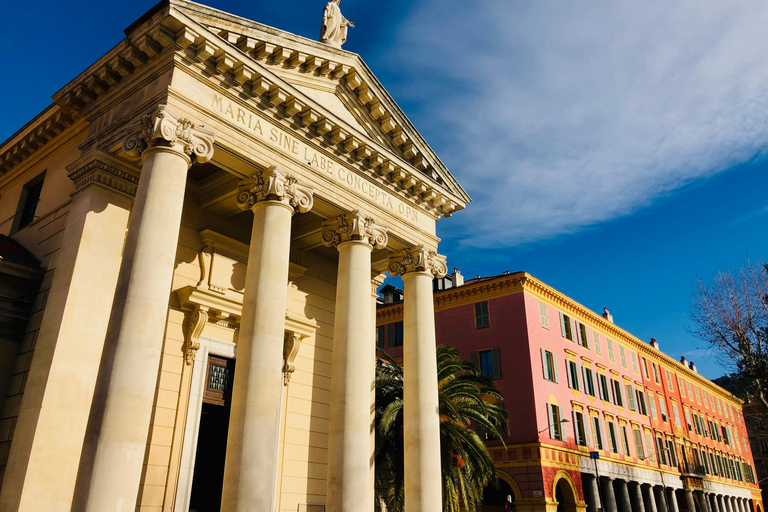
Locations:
column 693, row 469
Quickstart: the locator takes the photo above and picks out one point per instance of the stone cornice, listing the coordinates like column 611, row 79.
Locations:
column 36, row 134
column 521, row 281
column 104, row 169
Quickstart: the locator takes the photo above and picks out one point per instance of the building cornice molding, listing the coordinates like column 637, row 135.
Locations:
column 51, row 123
column 523, row 282
column 100, row 168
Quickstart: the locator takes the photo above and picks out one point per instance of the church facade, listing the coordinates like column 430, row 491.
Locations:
column 196, row 229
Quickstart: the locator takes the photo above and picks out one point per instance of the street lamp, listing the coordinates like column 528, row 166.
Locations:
column 564, row 420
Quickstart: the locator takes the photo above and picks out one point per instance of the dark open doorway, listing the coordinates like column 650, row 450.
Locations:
column 208, row 475
column 501, row 499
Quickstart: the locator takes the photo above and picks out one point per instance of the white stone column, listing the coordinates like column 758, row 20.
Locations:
column 48, row 440
column 250, row 472
column 421, row 417
column 125, row 390
column 349, row 441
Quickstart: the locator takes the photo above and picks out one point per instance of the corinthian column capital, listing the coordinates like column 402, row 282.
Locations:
column 274, row 185
column 418, row 259
column 165, row 129
column 354, row 226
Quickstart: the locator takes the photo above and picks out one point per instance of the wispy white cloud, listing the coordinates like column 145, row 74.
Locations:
column 559, row 115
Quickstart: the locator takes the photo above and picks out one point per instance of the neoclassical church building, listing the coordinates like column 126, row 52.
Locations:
column 195, row 231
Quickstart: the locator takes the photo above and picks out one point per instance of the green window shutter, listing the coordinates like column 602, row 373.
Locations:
column 554, row 365
column 561, row 428
column 563, row 328
column 496, row 364
column 551, row 420
column 475, row 359
column 544, row 365
column 568, row 373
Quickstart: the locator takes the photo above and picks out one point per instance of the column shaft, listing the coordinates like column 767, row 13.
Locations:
column 609, row 496
column 349, row 442
column 672, row 500
column 715, row 504
column 661, row 498
column 48, row 440
column 689, row 500
column 703, row 501
column 622, row 496
column 250, row 473
column 593, row 493
column 650, row 499
column 421, row 421
column 134, row 339
column 726, row 503
column 638, row 504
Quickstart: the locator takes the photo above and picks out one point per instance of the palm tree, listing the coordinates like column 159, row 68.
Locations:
column 464, row 398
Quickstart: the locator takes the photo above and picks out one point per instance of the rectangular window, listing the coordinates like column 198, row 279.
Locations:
column 555, row 422
column 672, row 453
column 550, row 366
column 624, row 440
column 690, row 391
column 638, row 444
column 617, row 398
column 642, row 408
column 603, row 387
column 543, row 315
column 661, row 449
column 482, row 317
column 573, row 375
column 395, row 334
column 656, row 373
column 634, row 356
column 613, row 438
column 669, row 380
column 30, row 196
column 681, row 386
column 589, row 382
column 688, row 421
column 597, row 433
column 649, row 444
column 652, row 403
column 698, row 396
column 676, row 415
column 579, row 429
column 645, row 369
column 609, row 343
column 380, row 336
column 583, row 338
column 623, row 356
column 631, row 402
column 596, row 341
column 566, row 326
column 663, row 410
column 486, row 363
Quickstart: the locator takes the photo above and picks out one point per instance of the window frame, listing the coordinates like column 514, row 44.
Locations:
column 482, row 319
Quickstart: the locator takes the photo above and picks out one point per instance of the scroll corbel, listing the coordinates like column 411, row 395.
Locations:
column 197, row 322
column 290, row 351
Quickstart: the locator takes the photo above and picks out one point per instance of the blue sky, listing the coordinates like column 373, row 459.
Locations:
column 614, row 149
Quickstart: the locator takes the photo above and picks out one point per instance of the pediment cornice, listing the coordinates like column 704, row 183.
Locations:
column 251, row 65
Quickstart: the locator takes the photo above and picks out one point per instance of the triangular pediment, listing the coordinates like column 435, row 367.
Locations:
column 328, row 93
column 340, row 83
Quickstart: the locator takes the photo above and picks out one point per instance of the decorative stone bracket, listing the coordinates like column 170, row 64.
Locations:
column 290, row 351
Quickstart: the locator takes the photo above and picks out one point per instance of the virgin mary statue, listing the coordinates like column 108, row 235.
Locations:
column 335, row 26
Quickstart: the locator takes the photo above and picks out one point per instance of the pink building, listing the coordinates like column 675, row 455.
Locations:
column 577, row 386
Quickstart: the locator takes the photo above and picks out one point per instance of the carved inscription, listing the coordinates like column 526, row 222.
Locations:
column 293, row 146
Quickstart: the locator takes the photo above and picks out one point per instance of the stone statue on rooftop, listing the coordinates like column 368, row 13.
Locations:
column 335, row 26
